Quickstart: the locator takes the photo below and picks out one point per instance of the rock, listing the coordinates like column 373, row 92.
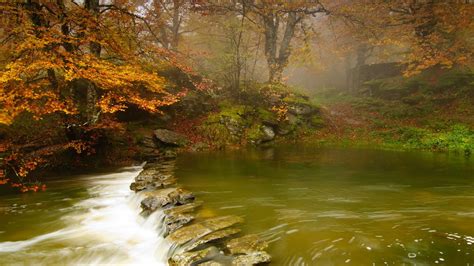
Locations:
column 166, row 197
column 158, row 182
column 175, row 222
column 193, row 258
column 268, row 133
column 138, row 186
column 300, row 109
column 153, row 177
column 198, row 230
column 246, row 245
column 169, row 137
column 258, row 134
column 252, row 258
column 219, row 234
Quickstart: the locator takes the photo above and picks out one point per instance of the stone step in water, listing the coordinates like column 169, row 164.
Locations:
column 197, row 241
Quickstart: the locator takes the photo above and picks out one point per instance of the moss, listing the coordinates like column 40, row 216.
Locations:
column 316, row 121
column 266, row 116
column 254, row 133
column 216, row 134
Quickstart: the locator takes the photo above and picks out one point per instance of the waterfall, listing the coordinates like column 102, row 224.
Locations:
column 104, row 228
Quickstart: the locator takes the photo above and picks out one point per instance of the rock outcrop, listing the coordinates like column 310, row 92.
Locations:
column 168, row 137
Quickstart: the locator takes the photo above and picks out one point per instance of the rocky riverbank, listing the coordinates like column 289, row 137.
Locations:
column 195, row 240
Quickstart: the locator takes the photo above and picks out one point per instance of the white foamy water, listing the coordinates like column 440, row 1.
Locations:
column 105, row 228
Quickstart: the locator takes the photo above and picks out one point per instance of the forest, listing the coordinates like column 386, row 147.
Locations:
column 224, row 93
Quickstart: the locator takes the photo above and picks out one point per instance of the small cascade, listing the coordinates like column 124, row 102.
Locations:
column 104, row 229
column 191, row 239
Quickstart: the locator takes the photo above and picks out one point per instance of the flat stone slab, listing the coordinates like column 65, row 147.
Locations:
column 166, row 197
column 219, row 234
column 246, row 245
column 252, row 258
column 175, row 222
column 181, row 209
column 205, row 227
column 193, row 258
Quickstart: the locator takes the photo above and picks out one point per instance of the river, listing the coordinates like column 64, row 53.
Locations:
column 343, row 206
column 88, row 219
column 313, row 205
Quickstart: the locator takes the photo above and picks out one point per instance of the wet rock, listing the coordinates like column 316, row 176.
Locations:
column 169, row 137
column 246, row 245
column 219, row 234
column 193, row 258
column 175, row 222
column 159, row 182
column 253, row 258
column 165, row 198
column 153, row 165
column 147, row 174
column 138, row 186
column 198, row 230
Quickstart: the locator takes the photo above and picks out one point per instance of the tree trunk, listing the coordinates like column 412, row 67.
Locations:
column 276, row 65
column 176, row 24
column 95, row 49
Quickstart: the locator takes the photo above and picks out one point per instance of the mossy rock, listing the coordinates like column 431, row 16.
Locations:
column 267, row 117
column 258, row 134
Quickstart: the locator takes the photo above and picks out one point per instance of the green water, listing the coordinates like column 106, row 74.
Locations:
column 338, row 206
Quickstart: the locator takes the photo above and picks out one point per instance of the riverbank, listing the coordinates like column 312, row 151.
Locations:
column 429, row 112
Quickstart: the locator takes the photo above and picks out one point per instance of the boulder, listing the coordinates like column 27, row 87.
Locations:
column 169, row 137
column 246, row 245
column 268, row 133
column 258, row 134
column 300, row 109
column 205, row 227
column 252, row 259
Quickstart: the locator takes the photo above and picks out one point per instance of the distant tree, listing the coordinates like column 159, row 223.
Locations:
column 277, row 20
column 429, row 33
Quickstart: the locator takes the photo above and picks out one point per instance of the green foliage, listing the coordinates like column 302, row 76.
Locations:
column 254, row 133
column 458, row 138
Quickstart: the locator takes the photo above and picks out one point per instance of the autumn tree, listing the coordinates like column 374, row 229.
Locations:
column 428, row 33
column 72, row 59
